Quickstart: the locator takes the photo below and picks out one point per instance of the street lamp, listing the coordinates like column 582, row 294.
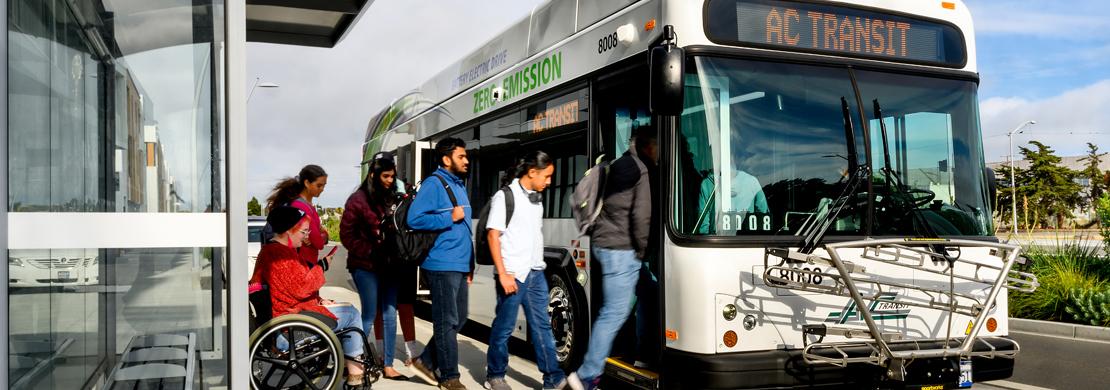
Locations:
column 1013, row 180
column 258, row 83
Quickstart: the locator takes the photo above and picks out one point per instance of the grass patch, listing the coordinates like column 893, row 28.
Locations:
column 1069, row 274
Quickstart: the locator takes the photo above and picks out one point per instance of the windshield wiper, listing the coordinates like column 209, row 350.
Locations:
column 815, row 227
column 895, row 187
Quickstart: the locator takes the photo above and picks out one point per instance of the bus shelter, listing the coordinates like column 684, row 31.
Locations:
column 123, row 184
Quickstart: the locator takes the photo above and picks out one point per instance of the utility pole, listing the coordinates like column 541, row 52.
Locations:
column 1013, row 180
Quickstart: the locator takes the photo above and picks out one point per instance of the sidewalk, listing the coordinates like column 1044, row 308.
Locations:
column 472, row 356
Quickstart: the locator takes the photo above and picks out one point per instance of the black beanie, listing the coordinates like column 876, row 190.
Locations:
column 283, row 218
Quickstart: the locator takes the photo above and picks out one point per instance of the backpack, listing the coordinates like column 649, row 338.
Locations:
column 413, row 245
column 481, row 237
column 587, row 198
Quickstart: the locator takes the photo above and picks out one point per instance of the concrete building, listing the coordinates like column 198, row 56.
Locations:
column 123, row 185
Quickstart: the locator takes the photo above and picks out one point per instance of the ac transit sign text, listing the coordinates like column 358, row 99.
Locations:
column 837, row 30
column 531, row 77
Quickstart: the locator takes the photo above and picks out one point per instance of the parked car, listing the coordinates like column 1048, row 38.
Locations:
column 255, row 225
column 53, row 267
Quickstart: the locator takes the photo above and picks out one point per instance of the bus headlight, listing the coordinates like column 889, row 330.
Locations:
column 729, row 312
column 749, row 322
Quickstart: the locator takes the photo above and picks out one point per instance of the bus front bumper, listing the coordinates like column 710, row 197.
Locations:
column 786, row 369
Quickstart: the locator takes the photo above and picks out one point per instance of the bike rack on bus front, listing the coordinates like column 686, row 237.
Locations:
column 887, row 349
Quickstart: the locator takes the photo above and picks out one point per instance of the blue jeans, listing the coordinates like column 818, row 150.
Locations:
column 532, row 293
column 389, row 285
column 366, row 282
column 620, row 271
column 347, row 317
column 449, row 299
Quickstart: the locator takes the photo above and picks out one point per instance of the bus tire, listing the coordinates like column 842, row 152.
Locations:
column 566, row 306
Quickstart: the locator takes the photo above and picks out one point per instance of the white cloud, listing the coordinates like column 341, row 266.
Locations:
column 1066, row 122
column 327, row 96
column 1071, row 20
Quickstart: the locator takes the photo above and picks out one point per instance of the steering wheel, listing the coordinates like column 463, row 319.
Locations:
column 919, row 197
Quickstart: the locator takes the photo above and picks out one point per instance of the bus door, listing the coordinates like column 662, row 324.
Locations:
column 622, row 110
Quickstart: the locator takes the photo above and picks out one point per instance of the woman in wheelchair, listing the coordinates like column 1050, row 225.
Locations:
column 294, row 287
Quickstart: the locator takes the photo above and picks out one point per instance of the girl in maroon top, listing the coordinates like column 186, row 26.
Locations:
column 366, row 230
column 299, row 192
column 295, row 283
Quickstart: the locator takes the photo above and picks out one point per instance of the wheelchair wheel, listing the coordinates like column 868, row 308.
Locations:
column 295, row 352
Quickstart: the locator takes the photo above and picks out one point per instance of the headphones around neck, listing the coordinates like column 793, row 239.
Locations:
column 535, row 197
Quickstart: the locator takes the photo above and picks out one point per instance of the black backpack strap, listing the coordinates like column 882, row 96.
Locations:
column 447, row 187
column 510, row 204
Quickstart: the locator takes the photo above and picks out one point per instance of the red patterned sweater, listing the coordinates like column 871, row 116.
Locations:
column 294, row 283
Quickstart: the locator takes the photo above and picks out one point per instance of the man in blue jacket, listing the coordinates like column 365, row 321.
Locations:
column 448, row 265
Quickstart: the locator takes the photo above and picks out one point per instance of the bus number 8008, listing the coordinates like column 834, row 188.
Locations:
column 755, row 222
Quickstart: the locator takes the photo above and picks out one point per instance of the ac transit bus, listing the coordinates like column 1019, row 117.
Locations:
column 824, row 210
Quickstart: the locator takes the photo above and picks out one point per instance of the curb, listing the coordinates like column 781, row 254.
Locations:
column 1060, row 329
column 1014, row 386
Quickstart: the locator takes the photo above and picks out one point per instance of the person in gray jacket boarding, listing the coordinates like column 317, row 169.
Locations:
column 619, row 240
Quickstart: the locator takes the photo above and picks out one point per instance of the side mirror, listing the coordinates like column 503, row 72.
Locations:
column 992, row 187
column 667, row 63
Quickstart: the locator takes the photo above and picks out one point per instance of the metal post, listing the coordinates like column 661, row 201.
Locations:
column 237, row 309
column 1013, row 180
column 4, row 196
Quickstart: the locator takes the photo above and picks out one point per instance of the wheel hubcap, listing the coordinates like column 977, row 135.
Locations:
column 562, row 321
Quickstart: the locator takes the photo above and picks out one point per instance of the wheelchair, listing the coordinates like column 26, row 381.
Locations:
column 300, row 351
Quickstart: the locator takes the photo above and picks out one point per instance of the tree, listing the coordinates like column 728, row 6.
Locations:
column 1046, row 189
column 1093, row 174
column 253, row 207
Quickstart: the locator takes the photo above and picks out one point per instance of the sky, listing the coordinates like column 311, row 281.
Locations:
column 1047, row 61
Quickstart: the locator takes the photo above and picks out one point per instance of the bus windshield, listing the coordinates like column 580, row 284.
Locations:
column 764, row 146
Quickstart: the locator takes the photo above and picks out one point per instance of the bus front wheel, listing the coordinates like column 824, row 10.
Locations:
column 566, row 305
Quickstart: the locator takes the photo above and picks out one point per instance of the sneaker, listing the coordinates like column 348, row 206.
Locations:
column 452, row 384
column 497, row 384
column 559, row 386
column 423, row 372
column 577, row 383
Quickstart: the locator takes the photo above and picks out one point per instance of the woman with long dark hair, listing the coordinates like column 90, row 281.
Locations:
column 299, row 191
column 365, row 231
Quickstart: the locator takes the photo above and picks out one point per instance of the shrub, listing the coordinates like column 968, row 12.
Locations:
column 1090, row 306
column 1060, row 270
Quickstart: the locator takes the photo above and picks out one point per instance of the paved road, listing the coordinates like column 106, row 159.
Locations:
column 1061, row 363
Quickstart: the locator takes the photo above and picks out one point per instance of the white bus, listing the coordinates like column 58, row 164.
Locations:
column 824, row 210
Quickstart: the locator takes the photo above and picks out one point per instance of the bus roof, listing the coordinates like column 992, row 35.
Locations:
column 544, row 26
column 544, row 32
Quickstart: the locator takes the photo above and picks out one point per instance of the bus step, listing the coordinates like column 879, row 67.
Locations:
column 627, row 374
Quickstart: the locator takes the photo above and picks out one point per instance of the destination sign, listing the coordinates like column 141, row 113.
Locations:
column 834, row 30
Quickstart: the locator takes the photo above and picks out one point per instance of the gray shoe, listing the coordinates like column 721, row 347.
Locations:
column 497, row 384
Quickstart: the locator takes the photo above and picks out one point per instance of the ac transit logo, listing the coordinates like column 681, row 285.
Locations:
column 883, row 308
